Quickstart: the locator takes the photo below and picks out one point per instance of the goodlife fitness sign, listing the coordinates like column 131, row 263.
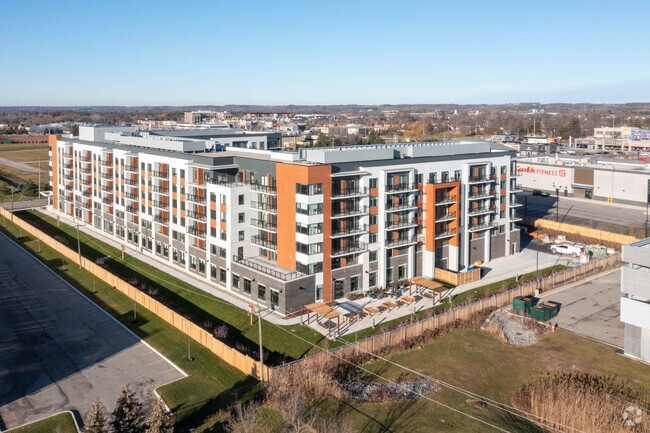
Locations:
column 542, row 171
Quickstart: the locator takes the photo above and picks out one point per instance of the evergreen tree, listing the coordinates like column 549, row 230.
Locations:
column 160, row 421
column 127, row 416
column 30, row 189
column 95, row 421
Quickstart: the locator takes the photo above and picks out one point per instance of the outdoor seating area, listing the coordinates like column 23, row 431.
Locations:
column 373, row 309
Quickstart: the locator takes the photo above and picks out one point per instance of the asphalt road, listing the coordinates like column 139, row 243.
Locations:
column 594, row 214
column 25, row 204
column 592, row 309
column 58, row 351
column 21, row 166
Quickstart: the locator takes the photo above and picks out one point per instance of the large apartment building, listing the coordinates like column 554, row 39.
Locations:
column 285, row 229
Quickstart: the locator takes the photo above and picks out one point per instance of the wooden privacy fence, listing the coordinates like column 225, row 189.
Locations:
column 231, row 356
column 585, row 231
column 498, row 300
column 457, row 278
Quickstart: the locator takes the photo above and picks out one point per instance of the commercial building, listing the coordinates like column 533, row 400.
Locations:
column 285, row 228
column 635, row 301
column 624, row 181
column 623, row 137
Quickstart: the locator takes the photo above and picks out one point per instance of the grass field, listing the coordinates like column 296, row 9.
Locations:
column 481, row 363
column 7, row 147
column 199, row 305
column 61, row 423
column 18, row 176
column 28, row 156
column 212, row 384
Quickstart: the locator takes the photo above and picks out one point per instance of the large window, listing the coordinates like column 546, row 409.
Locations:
column 247, row 286
column 261, row 291
column 314, row 189
column 372, row 279
column 309, row 249
column 275, row 297
column 309, row 209
column 222, row 275
column 314, row 268
column 309, row 229
column 235, row 281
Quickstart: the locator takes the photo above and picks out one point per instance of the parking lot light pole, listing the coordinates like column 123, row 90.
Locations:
column 557, row 205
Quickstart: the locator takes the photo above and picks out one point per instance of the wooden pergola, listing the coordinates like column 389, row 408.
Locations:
column 425, row 284
column 325, row 312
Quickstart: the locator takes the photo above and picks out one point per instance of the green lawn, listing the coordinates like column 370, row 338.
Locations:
column 197, row 304
column 481, row 363
column 212, row 384
column 28, row 155
column 61, row 423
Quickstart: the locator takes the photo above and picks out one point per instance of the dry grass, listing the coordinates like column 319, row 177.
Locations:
column 585, row 402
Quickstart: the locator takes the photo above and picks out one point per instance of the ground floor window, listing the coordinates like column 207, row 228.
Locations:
column 182, row 257
column 235, row 281
column 372, row 279
column 275, row 297
column 401, row 272
column 338, row 289
column 174, row 254
column 192, row 262
column 319, row 292
column 354, row 284
column 389, row 275
column 261, row 291
column 222, row 275
column 213, row 271
column 202, row 266
column 247, row 286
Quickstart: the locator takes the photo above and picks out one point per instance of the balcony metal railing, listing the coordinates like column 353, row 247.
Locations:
column 265, row 189
column 445, row 199
column 68, row 177
column 356, row 210
column 516, row 216
column 85, row 159
column 107, row 176
column 131, row 209
column 159, row 218
column 160, row 189
column 481, row 194
column 160, row 204
column 515, row 203
column 482, row 178
column 482, row 226
column 106, row 162
column 131, row 196
column 446, row 216
column 195, row 198
column 390, row 225
column 349, row 192
column 264, row 243
column 348, row 231
column 481, row 210
column 264, row 225
column 107, row 200
column 515, row 173
column 393, row 208
column 130, row 181
column 401, row 187
column 447, row 180
column 201, row 216
column 106, row 188
column 85, row 182
column 267, row 207
column 515, row 187
column 448, row 233
column 351, row 248
column 161, row 174
column 131, row 168
column 85, row 170
column 401, row 241
column 268, row 270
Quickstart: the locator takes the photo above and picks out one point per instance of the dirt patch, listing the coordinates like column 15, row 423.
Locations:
column 515, row 330
column 385, row 392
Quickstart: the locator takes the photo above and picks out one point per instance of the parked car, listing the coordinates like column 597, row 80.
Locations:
column 541, row 193
column 574, row 249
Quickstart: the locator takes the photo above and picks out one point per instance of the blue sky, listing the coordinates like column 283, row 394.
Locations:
column 114, row 52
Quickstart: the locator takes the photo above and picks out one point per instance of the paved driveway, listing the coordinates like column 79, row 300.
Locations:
column 593, row 308
column 58, row 351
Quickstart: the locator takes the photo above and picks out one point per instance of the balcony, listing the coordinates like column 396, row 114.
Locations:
column 515, row 173
column 446, row 216
column 482, row 226
column 264, row 243
column 444, row 180
column 199, row 216
column 349, row 192
column 516, row 216
column 481, row 194
column 404, row 206
column 481, row 210
column 160, row 174
column 67, row 155
column 85, row 171
column 515, row 188
column 131, row 196
column 85, row 182
column 268, row 270
column 68, row 177
column 445, row 199
column 401, row 187
column 445, row 234
column 85, row 159
column 159, row 218
column 106, row 188
column 352, row 248
column 390, row 225
column 133, row 168
column 390, row 243
column 130, row 181
column 349, row 231
column 160, row 204
column 132, row 209
column 266, row 207
column 482, row 179
column 264, row 189
column 515, row 203
column 356, row 210
column 108, row 176
column 108, row 201
column 160, row 189
column 106, row 162
column 269, row 227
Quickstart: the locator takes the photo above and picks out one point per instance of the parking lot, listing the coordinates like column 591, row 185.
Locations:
column 592, row 308
column 58, row 351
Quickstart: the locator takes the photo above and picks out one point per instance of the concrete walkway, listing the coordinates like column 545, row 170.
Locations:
column 22, row 166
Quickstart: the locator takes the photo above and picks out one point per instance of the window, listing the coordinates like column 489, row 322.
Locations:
column 182, row 174
column 182, row 257
column 311, row 229
column 444, row 177
column 389, row 275
column 275, row 297
column 338, row 289
column 313, row 189
column 192, row 262
column 240, row 199
column 354, row 284
column 174, row 171
column 165, row 250
column 222, row 253
column 314, row 268
column 373, row 256
column 503, row 184
column 372, row 279
column 457, row 174
column 418, row 178
column 247, row 286
column 309, row 209
column 235, row 281
column 222, row 275
column 503, row 199
column 213, row 249
column 373, row 238
column 213, row 197
column 504, row 169
column 502, row 229
column 213, row 272
column 241, row 235
column 401, row 272
column 213, row 214
column 222, row 217
column 373, row 182
column 158, row 247
column 202, row 266
column 319, row 292
column 373, row 220
column 222, row 235
column 222, row 198
column 241, row 217
column 213, row 232
column 502, row 214
column 373, row 201
column 261, row 291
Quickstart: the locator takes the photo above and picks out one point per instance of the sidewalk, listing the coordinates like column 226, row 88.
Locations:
column 214, row 291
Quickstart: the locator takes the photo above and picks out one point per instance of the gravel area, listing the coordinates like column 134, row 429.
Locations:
column 371, row 391
column 515, row 329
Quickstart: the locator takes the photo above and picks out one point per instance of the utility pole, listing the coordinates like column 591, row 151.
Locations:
column 259, row 322
column 557, row 205
column 39, row 177
column 537, row 266
column 78, row 245
column 12, row 203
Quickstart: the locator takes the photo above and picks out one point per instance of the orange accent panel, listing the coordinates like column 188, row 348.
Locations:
column 374, row 210
column 222, row 226
column 222, row 208
column 374, row 228
column 213, row 223
column 182, row 214
column 374, row 192
column 213, row 205
column 287, row 175
column 503, row 177
column 503, row 206
column 243, row 174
